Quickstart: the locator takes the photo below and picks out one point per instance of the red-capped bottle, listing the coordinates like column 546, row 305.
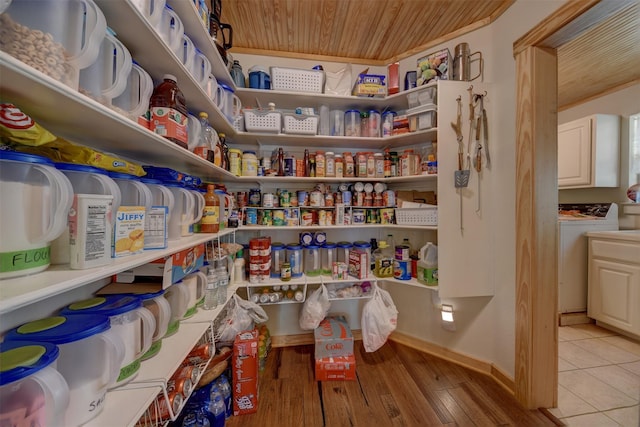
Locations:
column 168, row 110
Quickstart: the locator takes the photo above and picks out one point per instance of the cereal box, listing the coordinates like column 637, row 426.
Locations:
column 358, row 263
column 128, row 238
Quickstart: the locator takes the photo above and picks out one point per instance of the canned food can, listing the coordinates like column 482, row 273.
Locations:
column 252, row 216
column 346, row 198
column 307, row 218
column 278, row 217
column 358, row 216
column 402, row 252
column 387, row 216
column 183, row 386
column 319, row 238
column 302, row 198
column 254, row 277
column 322, row 218
column 315, row 199
column 254, row 197
column 285, row 199
column 160, row 411
column 189, row 371
column 372, row 216
column 268, row 200
column 402, row 270
column 306, row 238
column 266, row 217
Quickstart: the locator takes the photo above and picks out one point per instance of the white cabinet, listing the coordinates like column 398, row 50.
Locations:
column 589, row 152
column 614, row 279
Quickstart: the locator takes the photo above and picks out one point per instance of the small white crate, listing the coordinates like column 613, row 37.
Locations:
column 300, row 124
column 262, row 121
column 297, row 80
column 417, row 216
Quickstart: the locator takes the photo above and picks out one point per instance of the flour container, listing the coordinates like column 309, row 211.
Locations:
column 157, row 221
column 201, row 68
column 36, row 199
column 171, row 30
column 56, row 37
column 133, row 102
column 91, row 353
column 196, row 283
column 87, row 180
column 107, row 77
column 158, row 305
column 151, row 10
column 134, row 324
column 182, row 214
column 227, row 101
column 32, row 391
column 134, row 192
column 178, row 298
column 196, row 214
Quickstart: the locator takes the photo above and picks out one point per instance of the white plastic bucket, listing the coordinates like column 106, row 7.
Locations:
column 35, row 202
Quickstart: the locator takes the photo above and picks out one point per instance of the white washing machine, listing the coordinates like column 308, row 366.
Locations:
column 574, row 220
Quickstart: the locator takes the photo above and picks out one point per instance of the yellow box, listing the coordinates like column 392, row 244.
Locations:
column 128, row 237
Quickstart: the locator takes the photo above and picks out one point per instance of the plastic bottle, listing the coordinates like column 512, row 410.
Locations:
column 428, row 265
column 218, row 410
column 222, row 139
column 169, row 113
column 236, row 74
column 211, row 214
column 383, row 257
column 211, row 291
column 206, row 144
column 217, row 149
column 238, row 266
column 225, row 387
column 223, row 280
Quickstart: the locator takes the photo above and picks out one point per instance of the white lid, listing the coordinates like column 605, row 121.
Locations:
column 169, row 77
column 329, row 153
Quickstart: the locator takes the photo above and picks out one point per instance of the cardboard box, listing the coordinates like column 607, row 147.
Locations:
column 128, row 237
column 427, row 197
column 156, row 229
column 393, row 74
column 171, row 269
column 336, row 368
column 333, row 338
column 359, row 264
column 245, row 397
column 245, row 356
column 370, row 85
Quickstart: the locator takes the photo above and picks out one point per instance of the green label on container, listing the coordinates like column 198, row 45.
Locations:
column 24, row 260
column 173, row 328
column 130, row 369
column 190, row 312
column 155, row 349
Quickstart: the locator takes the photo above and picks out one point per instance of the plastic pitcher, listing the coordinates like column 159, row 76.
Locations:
column 36, row 199
column 194, row 131
column 158, row 305
column 71, row 32
column 196, row 214
column 91, row 353
column 107, row 77
column 312, row 265
column 183, row 210
column 171, row 30
column 227, row 101
column 187, row 53
column 134, row 324
column 84, row 180
column 196, row 283
column 160, row 194
column 201, row 68
column 178, row 298
column 134, row 100
column 134, row 192
column 32, row 391
column 151, row 10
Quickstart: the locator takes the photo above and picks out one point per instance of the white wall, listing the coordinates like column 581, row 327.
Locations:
column 625, row 103
column 485, row 325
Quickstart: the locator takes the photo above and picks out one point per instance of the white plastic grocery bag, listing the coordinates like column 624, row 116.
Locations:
column 241, row 315
column 379, row 319
column 315, row 309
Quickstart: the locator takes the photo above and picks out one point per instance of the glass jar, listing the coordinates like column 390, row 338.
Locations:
column 277, row 258
column 352, row 123
column 294, row 256
column 235, row 161
column 379, row 165
column 371, row 166
column 249, row 163
column 312, row 266
column 320, row 164
column 328, row 254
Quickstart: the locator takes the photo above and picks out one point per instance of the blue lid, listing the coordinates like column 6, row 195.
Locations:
column 345, row 244
column 107, row 305
column 225, row 87
column 150, row 295
column 24, row 157
column 151, row 181
column 352, row 111
column 362, row 244
column 330, row 245
column 374, row 112
column 312, row 247
column 294, row 246
column 248, row 152
column 277, row 246
column 173, row 184
column 80, row 168
column 393, row 113
column 120, row 175
column 20, row 359
column 60, row 329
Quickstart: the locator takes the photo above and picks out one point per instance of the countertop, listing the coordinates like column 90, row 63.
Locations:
column 628, row 235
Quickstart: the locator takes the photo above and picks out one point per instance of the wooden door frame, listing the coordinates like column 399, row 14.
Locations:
column 536, row 352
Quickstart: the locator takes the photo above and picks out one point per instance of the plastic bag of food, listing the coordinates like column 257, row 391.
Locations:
column 241, row 316
column 17, row 127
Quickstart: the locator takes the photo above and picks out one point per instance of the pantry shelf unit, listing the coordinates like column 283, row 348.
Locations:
column 152, row 53
column 411, row 282
column 22, row 291
column 292, row 140
column 282, row 99
column 124, row 406
column 80, row 119
column 328, row 179
column 332, row 227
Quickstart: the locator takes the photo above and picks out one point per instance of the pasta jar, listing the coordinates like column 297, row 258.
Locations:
column 364, row 124
column 249, row 163
column 352, row 123
column 330, row 164
column 235, row 161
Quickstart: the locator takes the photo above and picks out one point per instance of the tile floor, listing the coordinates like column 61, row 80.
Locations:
column 599, row 378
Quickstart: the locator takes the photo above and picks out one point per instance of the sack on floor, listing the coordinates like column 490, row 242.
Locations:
column 241, row 315
column 315, row 309
column 379, row 319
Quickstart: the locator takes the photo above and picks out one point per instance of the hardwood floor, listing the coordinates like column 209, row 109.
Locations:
column 395, row 386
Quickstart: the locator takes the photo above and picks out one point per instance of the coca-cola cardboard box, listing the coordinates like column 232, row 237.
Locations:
column 333, row 338
column 336, row 368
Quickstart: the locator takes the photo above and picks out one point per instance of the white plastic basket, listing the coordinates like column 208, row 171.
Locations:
column 300, row 124
column 297, row 80
column 262, row 121
column 417, row 216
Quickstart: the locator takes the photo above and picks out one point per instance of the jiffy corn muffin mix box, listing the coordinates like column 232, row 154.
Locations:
column 128, row 238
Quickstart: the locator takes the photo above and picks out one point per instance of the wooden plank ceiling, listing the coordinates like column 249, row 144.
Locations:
column 377, row 32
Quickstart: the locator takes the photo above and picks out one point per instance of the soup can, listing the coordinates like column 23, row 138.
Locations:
column 252, row 216
column 278, row 217
column 302, row 198
column 358, row 216
column 402, row 252
column 268, row 200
